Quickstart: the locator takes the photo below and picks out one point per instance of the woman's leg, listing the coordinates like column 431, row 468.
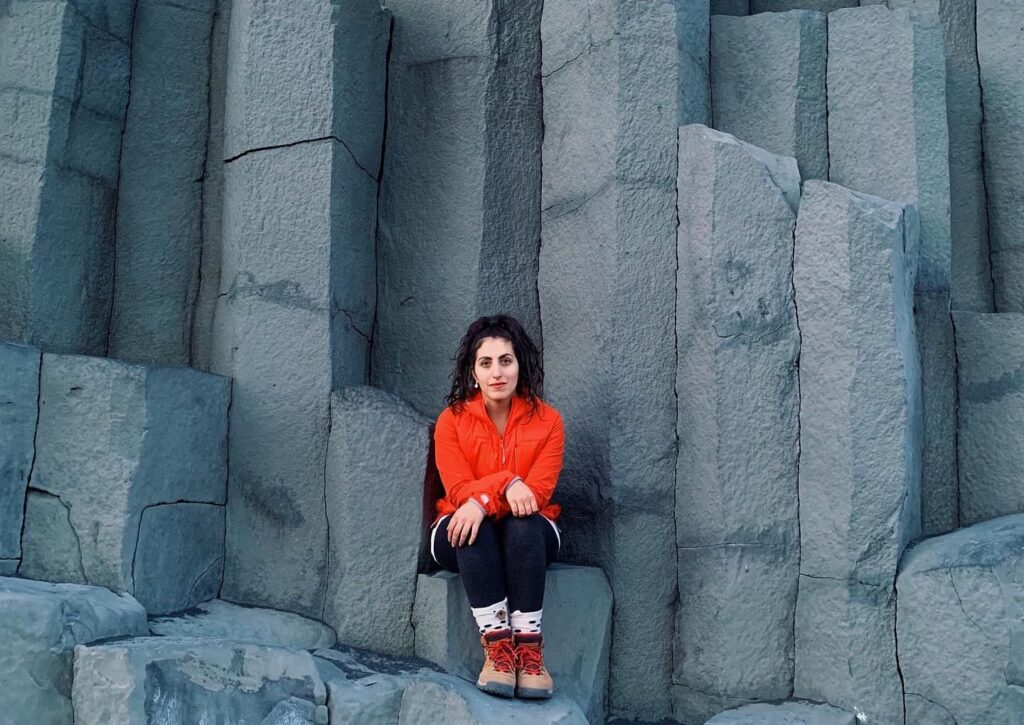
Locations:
column 528, row 545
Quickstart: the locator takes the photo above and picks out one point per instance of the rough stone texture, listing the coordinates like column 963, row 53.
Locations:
column 63, row 92
column 577, row 619
column 888, row 137
column 303, row 123
column 736, row 474
column 40, row 624
column 159, row 206
column 774, row 62
column 607, row 294
column 460, row 192
column 115, row 440
column 960, row 630
column 779, row 6
column 159, row 679
column 224, row 620
column 730, row 7
column 990, row 351
column 19, row 412
column 786, row 713
column 693, row 38
column 376, row 466
column 1000, row 38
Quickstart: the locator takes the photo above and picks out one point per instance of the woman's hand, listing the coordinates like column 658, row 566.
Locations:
column 465, row 523
column 521, row 499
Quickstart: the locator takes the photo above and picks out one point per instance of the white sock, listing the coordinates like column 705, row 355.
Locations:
column 492, row 618
column 526, row 622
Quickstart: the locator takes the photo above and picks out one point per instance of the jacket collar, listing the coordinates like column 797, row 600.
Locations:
column 475, row 405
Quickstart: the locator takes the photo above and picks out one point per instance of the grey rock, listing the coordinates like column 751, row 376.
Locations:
column 779, row 6
column 217, row 619
column 846, row 648
column 786, row 713
column 158, row 679
column 774, row 62
column 888, row 136
column 1001, row 60
column 40, row 624
column 730, row 7
column 464, row 105
column 860, row 405
column 115, row 440
column 990, row 351
column 959, row 626
column 19, row 413
column 577, row 619
column 606, row 284
column 297, row 255
column 455, row 701
column 693, row 37
column 376, row 466
column 159, row 203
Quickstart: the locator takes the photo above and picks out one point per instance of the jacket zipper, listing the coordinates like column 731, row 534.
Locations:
column 501, row 444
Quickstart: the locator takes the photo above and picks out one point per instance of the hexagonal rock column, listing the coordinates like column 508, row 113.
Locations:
column 303, row 122
column 730, row 7
column 460, row 195
column 736, row 474
column 128, row 483
column 577, row 619
column 860, row 443
column 376, row 465
column 776, row 63
column 63, row 92
column 159, row 203
column 607, row 294
column 40, row 624
column 970, row 270
column 960, row 630
column 887, row 135
column 786, row 713
column 990, row 351
column 223, row 620
column 779, row 6
column 19, row 413
column 1001, row 64
column 142, row 680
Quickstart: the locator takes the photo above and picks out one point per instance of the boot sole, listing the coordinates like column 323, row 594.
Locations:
column 532, row 693
column 496, row 688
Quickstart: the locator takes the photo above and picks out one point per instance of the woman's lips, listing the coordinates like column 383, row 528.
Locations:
column 497, row 385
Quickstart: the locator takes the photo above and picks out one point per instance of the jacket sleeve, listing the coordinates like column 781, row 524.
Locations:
column 543, row 475
column 457, row 474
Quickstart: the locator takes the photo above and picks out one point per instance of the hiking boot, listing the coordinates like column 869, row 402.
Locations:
column 498, row 675
column 533, row 681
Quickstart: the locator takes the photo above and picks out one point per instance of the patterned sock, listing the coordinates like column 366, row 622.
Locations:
column 526, row 622
column 492, row 618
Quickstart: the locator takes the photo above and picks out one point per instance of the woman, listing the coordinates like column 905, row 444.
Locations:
column 499, row 452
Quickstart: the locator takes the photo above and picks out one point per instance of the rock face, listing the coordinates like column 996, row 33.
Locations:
column 786, row 713
column 736, row 474
column 888, row 136
column 303, row 126
column 40, row 624
column 990, row 351
column 64, row 80
column 776, row 63
column 19, row 412
column 159, row 203
column 218, row 619
column 577, row 619
column 860, row 442
column 961, row 640
column 376, row 466
column 1001, row 64
column 158, row 679
column 128, row 482
column 778, row 6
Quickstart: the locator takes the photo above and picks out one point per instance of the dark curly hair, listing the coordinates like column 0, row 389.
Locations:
column 531, row 370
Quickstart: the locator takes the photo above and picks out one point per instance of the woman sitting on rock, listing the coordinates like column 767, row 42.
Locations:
column 499, row 452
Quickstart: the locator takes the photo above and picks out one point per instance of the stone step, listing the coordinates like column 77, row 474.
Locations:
column 40, row 625
column 785, row 713
column 577, row 623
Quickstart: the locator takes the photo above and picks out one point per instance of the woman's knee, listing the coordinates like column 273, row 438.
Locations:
column 524, row 531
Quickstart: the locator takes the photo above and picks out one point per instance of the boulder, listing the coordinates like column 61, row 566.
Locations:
column 19, row 413
column 785, row 713
column 217, row 619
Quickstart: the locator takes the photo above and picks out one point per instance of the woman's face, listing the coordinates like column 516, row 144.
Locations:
column 496, row 369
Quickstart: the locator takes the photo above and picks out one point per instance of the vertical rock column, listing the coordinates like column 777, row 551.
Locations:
column 778, row 6
column 774, row 62
column 736, row 475
column 607, row 296
column 460, row 194
column 63, row 92
column 860, row 443
column 19, row 413
column 160, row 195
column 1001, row 61
column 303, row 125
column 888, row 137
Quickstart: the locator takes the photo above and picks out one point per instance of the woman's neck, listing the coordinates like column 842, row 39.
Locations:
column 498, row 411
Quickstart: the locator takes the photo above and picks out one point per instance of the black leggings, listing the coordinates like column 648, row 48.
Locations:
column 508, row 558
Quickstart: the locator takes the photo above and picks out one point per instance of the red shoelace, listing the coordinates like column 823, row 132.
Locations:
column 530, row 660
column 503, row 654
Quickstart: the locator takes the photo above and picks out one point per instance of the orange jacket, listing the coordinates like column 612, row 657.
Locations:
column 474, row 462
